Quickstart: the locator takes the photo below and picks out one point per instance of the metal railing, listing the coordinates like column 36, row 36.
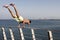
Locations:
column 49, row 32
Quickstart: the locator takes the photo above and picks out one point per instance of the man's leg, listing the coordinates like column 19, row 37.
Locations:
column 6, row 6
column 13, row 5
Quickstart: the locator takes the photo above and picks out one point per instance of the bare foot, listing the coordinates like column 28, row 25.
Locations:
column 6, row 6
column 12, row 4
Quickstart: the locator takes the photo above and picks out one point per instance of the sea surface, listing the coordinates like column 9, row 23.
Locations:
column 40, row 27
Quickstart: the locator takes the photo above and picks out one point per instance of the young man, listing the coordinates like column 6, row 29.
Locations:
column 18, row 18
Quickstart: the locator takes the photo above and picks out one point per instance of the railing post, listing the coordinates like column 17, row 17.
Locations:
column 11, row 33
column 4, row 34
column 50, row 35
column 33, row 35
column 21, row 32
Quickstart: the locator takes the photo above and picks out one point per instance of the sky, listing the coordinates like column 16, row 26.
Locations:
column 32, row 9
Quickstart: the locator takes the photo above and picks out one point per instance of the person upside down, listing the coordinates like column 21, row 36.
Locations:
column 17, row 17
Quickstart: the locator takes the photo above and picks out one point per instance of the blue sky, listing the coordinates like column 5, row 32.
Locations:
column 32, row 9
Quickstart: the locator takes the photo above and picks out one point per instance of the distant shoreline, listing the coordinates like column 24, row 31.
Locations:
column 33, row 19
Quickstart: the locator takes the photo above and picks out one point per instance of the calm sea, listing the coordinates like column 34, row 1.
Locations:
column 41, row 29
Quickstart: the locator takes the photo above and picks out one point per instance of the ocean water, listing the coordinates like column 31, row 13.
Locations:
column 40, row 27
